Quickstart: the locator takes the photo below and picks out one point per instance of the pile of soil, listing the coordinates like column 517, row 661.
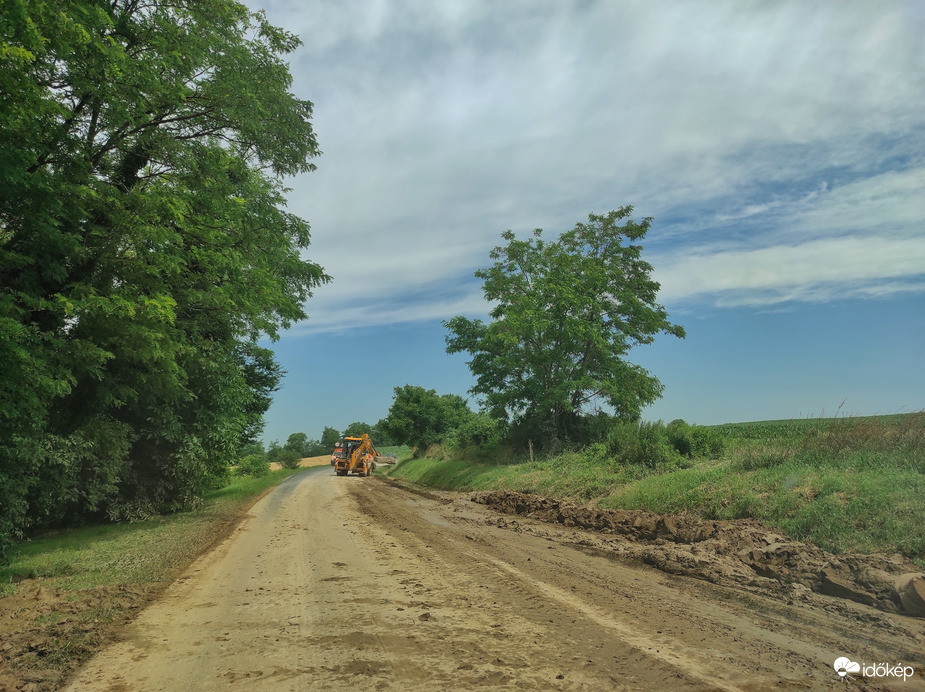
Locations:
column 735, row 552
column 46, row 634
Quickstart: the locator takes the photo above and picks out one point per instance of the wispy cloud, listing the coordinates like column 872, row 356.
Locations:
column 889, row 203
column 865, row 238
column 816, row 271
column 787, row 134
column 337, row 317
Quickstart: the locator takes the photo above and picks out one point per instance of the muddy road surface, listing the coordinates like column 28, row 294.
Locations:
column 357, row 584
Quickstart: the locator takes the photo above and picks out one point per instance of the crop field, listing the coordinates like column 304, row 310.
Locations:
column 797, row 429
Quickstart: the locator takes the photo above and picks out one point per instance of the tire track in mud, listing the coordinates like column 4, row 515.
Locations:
column 668, row 653
column 746, row 636
column 636, row 659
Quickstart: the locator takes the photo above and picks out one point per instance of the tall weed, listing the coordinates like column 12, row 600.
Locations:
column 696, row 440
column 869, row 442
column 643, row 444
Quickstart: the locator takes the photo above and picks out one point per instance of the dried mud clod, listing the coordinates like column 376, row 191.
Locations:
column 743, row 551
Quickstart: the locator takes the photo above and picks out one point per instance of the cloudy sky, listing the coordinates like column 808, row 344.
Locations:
column 779, row 146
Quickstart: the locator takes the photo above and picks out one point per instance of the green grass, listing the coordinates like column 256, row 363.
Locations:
column 400, row 452
column 138, row 553
column 844, row 484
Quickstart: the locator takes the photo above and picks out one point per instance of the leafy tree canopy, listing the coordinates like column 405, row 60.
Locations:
column 330, row 437
column 299, row 442
column 565, row 315
column 250, row 449
column 144, row 248
column 286, row 455
column 381, row 436
column 357, row 429
column 315, row 448
column 420, row 417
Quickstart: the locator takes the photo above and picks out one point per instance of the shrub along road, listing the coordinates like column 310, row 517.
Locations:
column 356, row 583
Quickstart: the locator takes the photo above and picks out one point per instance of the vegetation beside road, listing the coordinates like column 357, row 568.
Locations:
column 142, row 552
column 68, row 592
column 844, row 484
column 400, row 452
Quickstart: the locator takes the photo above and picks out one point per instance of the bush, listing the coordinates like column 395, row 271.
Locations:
column 289, row 458
column 695, row 440
column 479, row 430
column 251, row 448
column 317, row 449
column 595, row 454
column 707, row 442
column 255, row 465
column 679, row 437
column 641, row 444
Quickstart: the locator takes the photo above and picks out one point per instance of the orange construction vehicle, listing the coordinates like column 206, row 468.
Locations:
column 359, row 457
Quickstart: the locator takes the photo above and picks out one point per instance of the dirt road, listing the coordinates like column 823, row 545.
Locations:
column 353, row 583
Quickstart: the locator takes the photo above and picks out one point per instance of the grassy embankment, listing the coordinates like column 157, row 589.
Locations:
column 140, row 553
column 400, row 452
column 845, row 484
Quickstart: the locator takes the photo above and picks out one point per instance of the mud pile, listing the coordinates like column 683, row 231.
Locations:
column 45, row 634
column 734, row 552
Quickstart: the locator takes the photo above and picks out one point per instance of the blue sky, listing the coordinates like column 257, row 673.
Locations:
column 779, row 146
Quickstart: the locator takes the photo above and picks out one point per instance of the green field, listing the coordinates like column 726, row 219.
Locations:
column 845, row 484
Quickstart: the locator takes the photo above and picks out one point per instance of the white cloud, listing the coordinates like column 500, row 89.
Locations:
column 816, row 271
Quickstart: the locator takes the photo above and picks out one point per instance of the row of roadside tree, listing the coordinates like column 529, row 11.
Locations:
column 145, row 250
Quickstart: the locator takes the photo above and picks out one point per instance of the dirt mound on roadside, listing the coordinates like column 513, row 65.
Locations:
column 45, row 634
column 732, row 552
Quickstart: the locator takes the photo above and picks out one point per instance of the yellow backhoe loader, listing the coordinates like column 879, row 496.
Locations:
column 358, row 456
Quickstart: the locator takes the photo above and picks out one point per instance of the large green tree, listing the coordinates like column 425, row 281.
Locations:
column 329, row 437
column 420, row 417
column 299, row 442
column 357, row 429
column 144, row 248
column 381, row 436
column 566, row 313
